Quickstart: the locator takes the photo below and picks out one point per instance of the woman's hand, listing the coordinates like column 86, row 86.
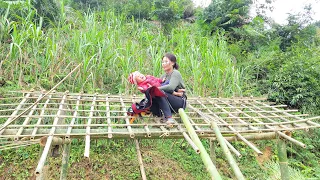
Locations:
column 179, row 93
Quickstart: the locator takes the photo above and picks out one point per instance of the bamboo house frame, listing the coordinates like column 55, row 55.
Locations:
column 54, row 118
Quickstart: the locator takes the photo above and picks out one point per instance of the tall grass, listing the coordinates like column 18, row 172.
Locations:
column 110, row 47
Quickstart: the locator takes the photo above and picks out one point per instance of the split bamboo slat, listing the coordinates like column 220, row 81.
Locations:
column 108, row 117
column 123, row 107
column 87, row 144
column 74, row 117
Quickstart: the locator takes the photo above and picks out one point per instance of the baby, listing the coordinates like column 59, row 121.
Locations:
column 144, row 82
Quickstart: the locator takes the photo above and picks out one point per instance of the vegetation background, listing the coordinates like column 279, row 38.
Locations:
column 222, row 52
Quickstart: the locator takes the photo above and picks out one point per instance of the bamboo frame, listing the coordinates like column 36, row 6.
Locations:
column 104, row 116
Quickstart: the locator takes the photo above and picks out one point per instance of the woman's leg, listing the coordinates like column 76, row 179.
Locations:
column 160, row 103
column 176, row 102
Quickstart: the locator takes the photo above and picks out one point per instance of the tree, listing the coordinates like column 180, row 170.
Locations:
column 166, row 11
column 225, row 14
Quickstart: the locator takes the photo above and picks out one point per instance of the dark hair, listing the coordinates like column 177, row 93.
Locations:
column 172, row 58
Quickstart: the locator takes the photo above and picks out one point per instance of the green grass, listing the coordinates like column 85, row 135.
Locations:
column 110, row 47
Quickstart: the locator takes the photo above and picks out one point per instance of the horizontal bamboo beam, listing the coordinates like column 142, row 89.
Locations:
column 125, row 116
column 8, row 132
column 129, row 96
column 55, row 141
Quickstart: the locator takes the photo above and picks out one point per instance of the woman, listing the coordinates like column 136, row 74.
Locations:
column 172, row 82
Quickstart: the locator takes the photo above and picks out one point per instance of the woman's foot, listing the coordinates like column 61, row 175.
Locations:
column 170, row 122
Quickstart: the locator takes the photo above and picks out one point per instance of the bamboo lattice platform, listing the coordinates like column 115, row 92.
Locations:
column 101, row 116
column 26, row 117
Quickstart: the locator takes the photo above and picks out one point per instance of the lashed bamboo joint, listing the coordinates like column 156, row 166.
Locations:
column 53, row 118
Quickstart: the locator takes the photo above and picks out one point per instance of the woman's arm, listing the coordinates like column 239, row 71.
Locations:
column 174, row 81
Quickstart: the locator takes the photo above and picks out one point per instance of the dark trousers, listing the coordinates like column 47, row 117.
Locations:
column 167, row 105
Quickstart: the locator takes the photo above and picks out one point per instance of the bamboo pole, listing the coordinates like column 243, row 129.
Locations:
column 147, row 130
column 143, row 173
column 49, row 140
column 108, row 117
column 65, row 160
column 129, row 96
column 227, row 152
column 283, row 160
column 203, row 153
column 8, row 133
column 87, row 146
column 55, row 141
column 260, row 123
column 127, row 118
column 236, row 152
column 236, row 132
column 213, row 156
column 189, row 140
column 197, row 118
column 43, row 175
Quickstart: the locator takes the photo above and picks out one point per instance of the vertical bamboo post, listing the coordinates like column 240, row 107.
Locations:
column 227, row 152
column 65, row 160
column 283, row 160
column 123, row 108
column 212, row 151
column 108, row 117
column 45, row 167
column 143, row 173
column 203, row 153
